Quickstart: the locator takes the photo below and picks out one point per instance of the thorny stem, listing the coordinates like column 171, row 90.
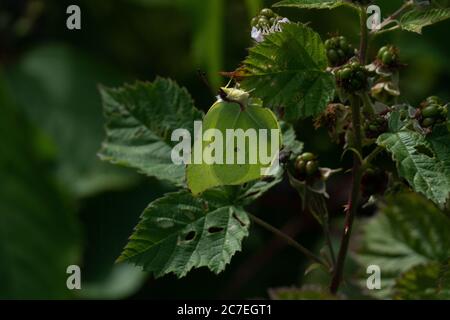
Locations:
column 289, row 240
column 357, row 170
column 352, row 205
column 364, row 36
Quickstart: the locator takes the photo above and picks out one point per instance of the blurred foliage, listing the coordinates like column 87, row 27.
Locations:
column 410, row 231
column 39, row 236
column 59, row 205
column 61, row 83
column 306, row 293
column 428, row 282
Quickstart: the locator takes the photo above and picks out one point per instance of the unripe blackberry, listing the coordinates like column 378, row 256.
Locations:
column 311, row 167
column 306, row 166
column 338, row 51
column 352, row 77
column 265, row 19
column 388, row 56
column 308, row 156
column 263, row 22
column 428, row 122
column 434, row 99
column 267, row 13
column 431, row 112
column 300, row 165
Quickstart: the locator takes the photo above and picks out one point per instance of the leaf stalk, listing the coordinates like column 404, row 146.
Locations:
column 289, row 240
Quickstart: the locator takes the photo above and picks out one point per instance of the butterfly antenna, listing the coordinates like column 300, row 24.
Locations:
column 202, row 75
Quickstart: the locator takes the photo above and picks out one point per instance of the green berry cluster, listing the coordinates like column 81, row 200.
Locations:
column 352, row 77
column 432, row 111
column 266, row 19
column 388, row 56
column 339, row 51
column 306, row 166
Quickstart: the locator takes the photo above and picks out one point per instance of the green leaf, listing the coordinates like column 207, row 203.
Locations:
column 397, row 119
column 312, row 4
column 409, row 231
column 424, row 161
column 179, row 232
column 39, row 237
column 424, row 282
column 56, row 85
column 224, row 116
column 290, row 142
column 288, row 70
column 140, row 120
column 253, row 190
column 417, row 19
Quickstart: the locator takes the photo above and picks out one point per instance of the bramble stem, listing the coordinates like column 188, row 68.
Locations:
column 364, row 36
column 289, row 240
column 357, row 170
column 352, row 205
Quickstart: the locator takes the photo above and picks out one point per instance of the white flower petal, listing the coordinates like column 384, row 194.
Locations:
column 284, row 20
column 257, row 35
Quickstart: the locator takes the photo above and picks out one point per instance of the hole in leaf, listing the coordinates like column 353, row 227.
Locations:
column 423, row 149
column 165, row 223
column 189, row 236
column 215, row 229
